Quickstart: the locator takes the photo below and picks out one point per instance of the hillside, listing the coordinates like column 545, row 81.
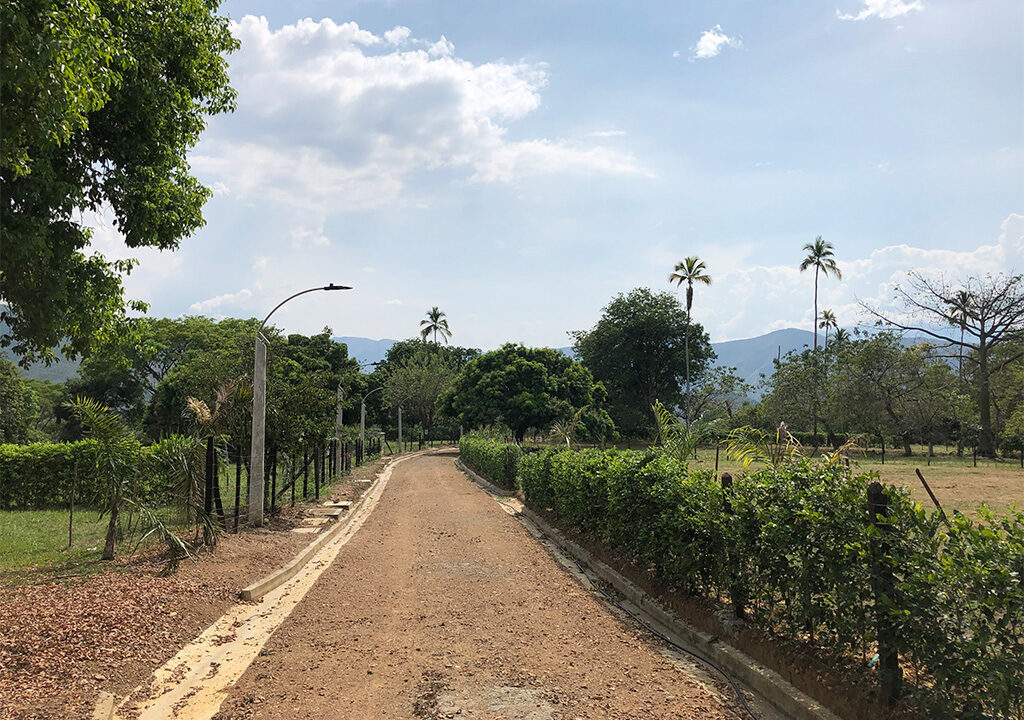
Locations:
column 753, row 356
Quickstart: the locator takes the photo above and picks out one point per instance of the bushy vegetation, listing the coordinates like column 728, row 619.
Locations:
column 496, row 460
column 792, row 549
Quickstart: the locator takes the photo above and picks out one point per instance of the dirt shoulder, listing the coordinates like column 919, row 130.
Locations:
column 444, row 606
column 64, row 640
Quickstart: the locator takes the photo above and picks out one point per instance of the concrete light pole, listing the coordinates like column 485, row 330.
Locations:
column 259, row 411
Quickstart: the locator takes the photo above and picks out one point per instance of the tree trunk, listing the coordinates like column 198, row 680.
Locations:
column 986, row 438
column 814, row 322
column 108, row 548
column 907, row 451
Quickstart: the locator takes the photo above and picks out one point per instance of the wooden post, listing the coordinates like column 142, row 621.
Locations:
column 238, row 483
column 71, row 505
column 890, row 675
column 717, row 449
column 218, row 502
column 305, row 473
column 208, row 490
column 883, row 448
column 975, row 455
column 317, row 470
column 737, row 591
column 273, row 479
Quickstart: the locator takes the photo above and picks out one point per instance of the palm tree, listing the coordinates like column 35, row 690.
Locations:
column 841, row 337
column 820, row 256
column 690, row 270
column 828, row 321
column 434, row 324
column 959, row 314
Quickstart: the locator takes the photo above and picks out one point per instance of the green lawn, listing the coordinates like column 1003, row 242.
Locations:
column 35, row 542
column 31, row 538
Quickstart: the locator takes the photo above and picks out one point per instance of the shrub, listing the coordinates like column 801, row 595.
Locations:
column 793, row 547
column 42, row 475
column 495, row 460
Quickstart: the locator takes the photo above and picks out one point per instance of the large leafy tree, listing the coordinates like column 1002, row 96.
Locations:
column 638, row 351
column 979, row 317
column 417, row 384
column 522, row 388
column 102, row 100
column 18, row 407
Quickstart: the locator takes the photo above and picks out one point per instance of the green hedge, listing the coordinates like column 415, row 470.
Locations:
column 41, row 475
column 795, row 548
column 495, row 460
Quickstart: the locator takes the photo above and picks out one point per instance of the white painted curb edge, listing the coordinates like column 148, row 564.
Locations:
column 282, row 575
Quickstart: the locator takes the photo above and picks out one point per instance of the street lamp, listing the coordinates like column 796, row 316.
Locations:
column 362, row 415
column 259, row 411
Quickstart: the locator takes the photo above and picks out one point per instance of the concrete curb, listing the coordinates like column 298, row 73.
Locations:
column 765, row 682
column 481, row 480
column 282, row 575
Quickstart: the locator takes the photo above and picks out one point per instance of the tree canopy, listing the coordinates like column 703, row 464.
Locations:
column 102, row 101
column 638, row 351
column 522, row 388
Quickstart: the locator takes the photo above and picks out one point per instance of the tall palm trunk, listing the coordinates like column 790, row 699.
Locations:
column 814, row 323
column 686, row 344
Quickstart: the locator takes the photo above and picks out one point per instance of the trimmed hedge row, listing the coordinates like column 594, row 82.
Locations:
column 42, row 475
column 495, row 460
column 794, row 549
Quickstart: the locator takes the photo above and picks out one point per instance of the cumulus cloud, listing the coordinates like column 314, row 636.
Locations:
column 744, row 296
column 228, row 299
column 884, row 9
column 711, row 43
column 333, row 117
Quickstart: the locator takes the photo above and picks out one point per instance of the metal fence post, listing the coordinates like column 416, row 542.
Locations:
column 317, row 471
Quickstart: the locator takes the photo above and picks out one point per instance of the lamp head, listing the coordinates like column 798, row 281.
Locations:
column 332, row 286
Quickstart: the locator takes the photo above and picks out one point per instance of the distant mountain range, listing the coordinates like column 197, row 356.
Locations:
column 751, row 357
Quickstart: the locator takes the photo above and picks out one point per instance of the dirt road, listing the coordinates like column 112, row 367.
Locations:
column 444, row 606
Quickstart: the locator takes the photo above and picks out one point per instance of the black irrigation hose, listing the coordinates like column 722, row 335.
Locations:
column 643, row 623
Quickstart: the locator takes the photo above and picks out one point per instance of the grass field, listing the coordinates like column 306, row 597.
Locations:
column 36, row 541
column 954, row 480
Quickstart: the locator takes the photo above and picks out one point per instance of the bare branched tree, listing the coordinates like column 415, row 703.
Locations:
column 977, row 316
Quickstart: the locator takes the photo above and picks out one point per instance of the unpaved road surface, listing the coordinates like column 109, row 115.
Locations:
column 444, row 606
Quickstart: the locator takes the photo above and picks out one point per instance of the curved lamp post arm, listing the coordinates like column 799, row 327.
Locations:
column 332, row 286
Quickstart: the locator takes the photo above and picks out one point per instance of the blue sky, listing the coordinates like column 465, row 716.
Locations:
column 518, row 164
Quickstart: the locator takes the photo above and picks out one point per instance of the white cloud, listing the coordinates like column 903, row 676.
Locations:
column 711, row 43
column 399, row 35
column 229, row 299
column 303, row 236
column 737, row 304
column 332, row 117
column 884, row 9
column 393, row 302
column 607, row 133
